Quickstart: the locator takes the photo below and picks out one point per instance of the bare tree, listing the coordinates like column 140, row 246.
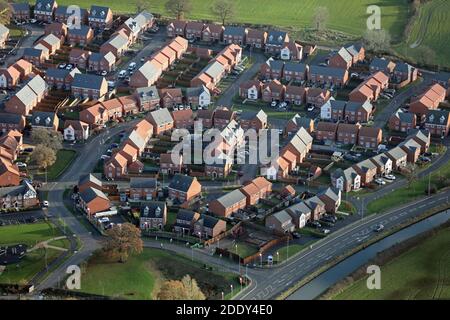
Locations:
column 224, row 9
column 179, row 8
column 48, row 138
column 320, row 18
column 377, row 40
column 426, row 55
column 122, row 241
column 43, row 156
column 186, row 289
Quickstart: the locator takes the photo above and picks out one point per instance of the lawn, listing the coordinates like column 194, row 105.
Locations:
column 271, row 113
column 432, row 30
column 244, row 250
column 407, row 194
column 63, row 159
column 293, row 249
column 33, row 262
column 423, row 272
column 142, row 275
column 347, row 16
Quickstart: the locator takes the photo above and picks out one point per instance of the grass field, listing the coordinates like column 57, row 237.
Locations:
column 32, row 263
column 347, row 16
column 63, row 160
column 142, row 275
column 431, row 29
column 421, row 273
column 406, row 194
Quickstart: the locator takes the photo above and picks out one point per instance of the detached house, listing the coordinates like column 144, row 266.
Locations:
column 147, row 98
column 161, row 120
column 404, row 73
column 298, row 122
column 428, row 100
column 184, row 188
column 24, row 67
column 102, row 62
column 295, row 95
column 412, row 149
column 437, row 122
column 291, row 51
column 194, row 30
column 116, row 167
column 272, row 69
column 171, row 97
column 20, row 11
column 153, row 215
column 117, row 44
column 89, row 86
column 275, row 41
column 93, row 201
column 79, row 58
column 209, row 227
column 331, row 198
column 183, row 119
column 358, row 112
column 76, row 130
column 253, row 120
column 346, row 180
column 46, row 120
column 44, row 10
column 198, row 96
column 398, row 157
column 80, row 36
column 176, row 28
column 402, row 121
column 228, row 204
column 250, row 90
column 213, row 33
column 11, row 121
column 100, row 17
column 58, row 29
column 357, row 52
column 273, row 91
column 342, row 59
column 295, row 71
column 280, row 222
column 36, row 55
column 145, row 76
column 51, row 42
column 328, row 75
column 256, row 38
column 383, row 164
column 370, row 137
column 9, row 77
column 382, row 64
column 367, row 170
column 326, row 131
column 236, row 35
column 185, row 221
column 143, row 188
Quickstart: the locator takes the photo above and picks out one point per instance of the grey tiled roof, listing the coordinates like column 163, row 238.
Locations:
column 149, row 183
column 234, row 31
column 98, row 12
column 153, row 209
column 295, row 67
column 162, row 116
column 82, row 31
column 148, row 93
column 43, row 119
column 275, row 37
column 10, row 118
column 231, row 198
column 327, row 71
column 89, row 178
column 439, row 117
column 88, row 81
column 91, row 193
column 44, row 5
column 181, row 182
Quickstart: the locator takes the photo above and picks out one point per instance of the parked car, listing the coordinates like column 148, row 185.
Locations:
column 104, row 73
column 315, row 224
column 296, row 235
column 103, row 220
column 62, row 66
column 390, row 177
column 273, row 104
column 45, row 204
column 326, row 231
column 380, row 181
column 122, row 74
column 132, row 66
column 310, row 108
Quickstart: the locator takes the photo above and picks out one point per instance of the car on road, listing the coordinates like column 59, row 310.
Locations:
column 390, row 91
column 329, row 218
column 33, row 21
column 45, row 204
column 69, row 66
column 378, row 228
column 296, row 235
column 122, row 74
column 273, row 104
column 310, row 108
column 390, row 177
column 326, row 231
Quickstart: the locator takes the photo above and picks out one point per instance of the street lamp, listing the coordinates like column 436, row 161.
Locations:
column 278, row 257
column 260, row 258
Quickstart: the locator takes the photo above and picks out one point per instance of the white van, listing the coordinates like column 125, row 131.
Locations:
column 122, row 74
column 132, row 66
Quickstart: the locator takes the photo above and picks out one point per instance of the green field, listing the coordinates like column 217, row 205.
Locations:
column 407, row 194
column 142, row 275
column 63, row 160
column 32, row 263
column 431, row 29
column 423, row 272
column 347, row 16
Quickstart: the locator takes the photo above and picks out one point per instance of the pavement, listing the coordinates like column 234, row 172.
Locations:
column 34, row 33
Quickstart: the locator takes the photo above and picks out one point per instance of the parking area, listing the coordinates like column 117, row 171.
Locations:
column 23, row 217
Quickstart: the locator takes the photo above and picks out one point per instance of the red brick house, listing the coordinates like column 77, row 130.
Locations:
column 9, row 77
column 370, row 137
column 250, row 90
column 291, row 51
column 295, row 71
column 93, row 201
column 317, row 97
column 437, row 122
column 256, row 38
column 213, row 33
column 102, row 62
column 24, row 67
column 222, row 116
column 428, row 100
column 20, row 11
column 58, row 29
column 326, row 131
column 194, row 30
column 347, row 133
column 358, row 112
column 87, row 181
column 44, row 10
column 143, row 188
column 80, row 36
column 171, row 97
column 206, row 117
column 228, row 204
column 184, row 188
column 298, row 122
column 183, row 119
column 51, row 42
column 342, row 59
column 129, row 105
column 236, row 35
column 272, row 69
column 176, row 28
column 94, row 115
column 100, row 17
column 161, row 120
column 295, row 95
column 328, row 75
column 11, row 121
column 113, row 107
column 60, row 78
column 79, row 58
column 402, row 121
column 253, row 120
column 167, row 164
column 89, row 86
column 273, row 91
column 116, row 167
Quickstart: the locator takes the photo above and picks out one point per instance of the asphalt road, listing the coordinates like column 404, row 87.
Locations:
column 34, row 32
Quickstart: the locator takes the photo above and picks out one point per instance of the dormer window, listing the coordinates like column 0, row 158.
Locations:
column 280, row 38
column 94, row 12
column 271, row 38
column 158, row 212
column 146, row 210
column 48, row 121
column 48, row 6
column 102, row 13
column 37, row 120
column 39, row 5
column 442, row 119
column 431, row 118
